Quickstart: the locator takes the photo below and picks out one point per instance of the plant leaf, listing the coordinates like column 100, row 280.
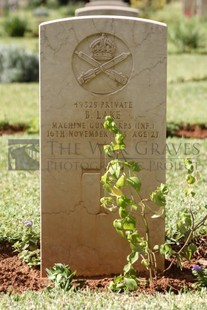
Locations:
column 131, row 284
column 116, row 191
column 129, row 223
column 135, row 183
column 121, row 181
column 133, row 257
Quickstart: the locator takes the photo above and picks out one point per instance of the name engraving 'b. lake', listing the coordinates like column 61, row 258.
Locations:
column 102, row 64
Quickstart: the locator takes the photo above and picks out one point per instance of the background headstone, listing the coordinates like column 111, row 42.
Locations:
column 2, row 6
column 92, row 67
column 194, row 7
column 201, row 7
column 107, row 7
column 189, row 7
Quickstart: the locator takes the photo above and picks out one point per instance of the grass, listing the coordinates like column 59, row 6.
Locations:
column 187, row 103
column 20, row 189
column 19, row 197
column 25, row 43
column 177, row 150
column 19, row 103
column 186, row 67
column 57, row 300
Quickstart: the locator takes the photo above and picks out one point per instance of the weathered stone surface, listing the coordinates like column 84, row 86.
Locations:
column 90, row 68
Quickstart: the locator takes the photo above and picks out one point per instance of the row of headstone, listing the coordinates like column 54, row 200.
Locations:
column 7, row 5
column 10, row 5
column 194, row 7
column 1, row 7
column 93, row 66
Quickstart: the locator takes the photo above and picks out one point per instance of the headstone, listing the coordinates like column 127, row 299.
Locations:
column 8, row 6
column 2, row 5
column 201, row 7
column 189, row 7
column 92, row 67
column 107, row 7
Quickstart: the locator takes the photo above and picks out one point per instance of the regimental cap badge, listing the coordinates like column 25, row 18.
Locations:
column 102, row 48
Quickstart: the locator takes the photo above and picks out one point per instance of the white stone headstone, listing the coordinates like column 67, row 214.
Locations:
column 107, row 7
column 92, row 67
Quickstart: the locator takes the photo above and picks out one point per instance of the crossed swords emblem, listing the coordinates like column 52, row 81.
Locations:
column 90, row 74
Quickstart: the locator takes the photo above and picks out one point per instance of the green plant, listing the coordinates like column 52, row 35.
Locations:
column 124, row 283
column 15, row 26
column 34, row 126
column 187, row 226
column 201, row 274
column 121, row 181
column 28, row 246
column 18, row 65
column 61, row 276
column 172, row 128
column 186, row 35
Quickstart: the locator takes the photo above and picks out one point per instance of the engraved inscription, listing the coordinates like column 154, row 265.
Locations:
column 102, row 64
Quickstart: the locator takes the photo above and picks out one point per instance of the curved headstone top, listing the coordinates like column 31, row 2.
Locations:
column 107, row 2
column 107, row 7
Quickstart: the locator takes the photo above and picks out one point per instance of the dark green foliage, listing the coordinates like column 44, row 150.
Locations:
column 15, row 26
column 186, row 35
column 61, row 276
column 18, row 65
column 201, row 276
column 63, row 2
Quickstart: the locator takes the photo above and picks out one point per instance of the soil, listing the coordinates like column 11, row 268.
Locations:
column 192, row 131
column 10, row 129
column 16, row 276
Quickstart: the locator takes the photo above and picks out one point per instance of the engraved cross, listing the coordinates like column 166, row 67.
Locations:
column 92, row 189
column 119, row 77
